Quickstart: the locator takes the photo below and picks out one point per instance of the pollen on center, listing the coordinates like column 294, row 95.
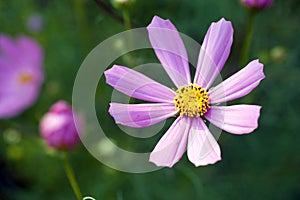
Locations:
column 191, row 100
column 25, row 78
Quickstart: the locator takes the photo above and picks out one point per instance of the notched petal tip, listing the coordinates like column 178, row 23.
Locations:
column 206, row 163
column 110, row 111
column 239, row 84
column 214, row 52
column 236, row 119
column 170, row 50
column 113, row 68
column 224, row 22
column 158, row 164
column 110, row 73
column 260, row 67
column 203, row 148
column 255, row 116
column 158, row 22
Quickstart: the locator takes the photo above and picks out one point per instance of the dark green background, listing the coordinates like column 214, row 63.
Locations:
column 261, row 165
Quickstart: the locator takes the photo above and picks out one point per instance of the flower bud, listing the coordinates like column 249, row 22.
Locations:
column 58, row 128
column 278, row 54
column 35, row 23
column 122, row 4
column 257, row 4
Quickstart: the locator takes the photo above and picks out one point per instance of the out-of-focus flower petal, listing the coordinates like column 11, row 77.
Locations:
column 16, row 100
column 170, row 50
column 202, row 149
column 8, row 47
column 214, row 52
column 172, row 145
column 237, row 119
column 239, row 84
column 141, row 115
column 32, row 52
column 137, row 85
column 21, row 74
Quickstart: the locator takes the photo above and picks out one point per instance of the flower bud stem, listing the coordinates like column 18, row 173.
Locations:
column 126, row 18
column 248, row 38
column 70, row 174
column 129, row 59
column 81, row 20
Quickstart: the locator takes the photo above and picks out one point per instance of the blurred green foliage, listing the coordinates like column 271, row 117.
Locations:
column 261, row 165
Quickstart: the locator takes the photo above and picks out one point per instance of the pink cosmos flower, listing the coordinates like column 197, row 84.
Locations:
column 193, row 100
column 21, row 74
column 58, row 128
column 258, row 4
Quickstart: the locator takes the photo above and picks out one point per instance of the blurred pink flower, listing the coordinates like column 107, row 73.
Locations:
column 58, row 128
column 34, row 23
column 192, row 100
column 21, row 74
column 258, row 4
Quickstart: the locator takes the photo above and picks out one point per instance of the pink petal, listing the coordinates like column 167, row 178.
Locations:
column 141, row 115
column 202, row 149
column 214, row 52
column 237, row 119
column 17, row 58
column 32, row 52
column 170, row 50
column 172, row 145
column 8, row 47
column 16, row 100
column 137, row 85
column 239, row 84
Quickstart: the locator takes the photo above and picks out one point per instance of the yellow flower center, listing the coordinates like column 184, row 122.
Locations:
column 191, row 100
column 25, row 78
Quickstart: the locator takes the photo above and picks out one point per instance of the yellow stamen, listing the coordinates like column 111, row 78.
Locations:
column 25, row 78
column 191, row 100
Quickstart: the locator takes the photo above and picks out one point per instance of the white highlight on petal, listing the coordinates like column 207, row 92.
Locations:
column 170, row 50
column 141, row 115
column 137, row 85
column 239, row 84
column 237, row 119
column 172, row 145
column 214, row 52
column 202, row 149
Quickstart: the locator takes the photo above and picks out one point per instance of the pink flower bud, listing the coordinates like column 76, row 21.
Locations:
column 257, row 4
column 58, row 128
column 35, row 23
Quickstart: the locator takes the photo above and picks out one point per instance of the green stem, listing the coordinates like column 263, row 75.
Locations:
column 70, row 174
column 248, row 38
column 129, row 59
column 111, row 12
column 126, row 18
column 79, row 10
